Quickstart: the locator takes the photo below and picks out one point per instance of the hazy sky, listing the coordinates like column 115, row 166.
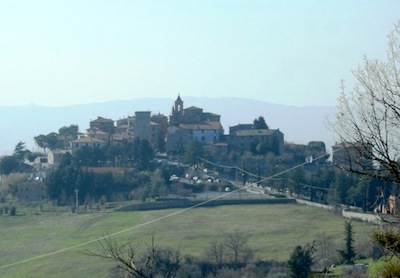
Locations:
column 289, row 52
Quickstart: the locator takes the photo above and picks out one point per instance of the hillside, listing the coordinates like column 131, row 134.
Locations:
column 299, row 124
column 54, row 245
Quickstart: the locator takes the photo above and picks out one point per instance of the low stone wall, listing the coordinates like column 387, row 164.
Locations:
column 317, row 205
column 187, row 203
column 184, row 203
column 366, row 217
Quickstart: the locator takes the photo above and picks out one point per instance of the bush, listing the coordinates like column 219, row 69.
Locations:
column 13, row 211
column 300, row 261
column 386, row 267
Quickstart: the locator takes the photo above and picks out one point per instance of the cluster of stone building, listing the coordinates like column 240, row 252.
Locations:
column 171, row 134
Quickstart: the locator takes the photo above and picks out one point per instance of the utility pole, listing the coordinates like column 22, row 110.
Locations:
column 76, row 200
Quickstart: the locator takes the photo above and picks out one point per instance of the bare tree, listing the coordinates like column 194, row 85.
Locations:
column 368, row 126
column 124, row 255
column 367, row 121
column 240, row 253
column 153, row 262
column 215, row 254
column 324, row 247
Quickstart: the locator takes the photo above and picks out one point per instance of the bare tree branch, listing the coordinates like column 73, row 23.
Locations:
column 368, row 119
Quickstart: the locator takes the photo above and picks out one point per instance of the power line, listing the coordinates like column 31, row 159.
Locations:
column 119, row 232
column 157, row 219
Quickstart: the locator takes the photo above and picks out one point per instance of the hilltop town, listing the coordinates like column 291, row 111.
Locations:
column 144, row 139
column 170, row 135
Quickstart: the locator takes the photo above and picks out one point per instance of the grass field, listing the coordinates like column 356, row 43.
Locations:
column 49, row 245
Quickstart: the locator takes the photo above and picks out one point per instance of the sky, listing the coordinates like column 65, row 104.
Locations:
column 60, row 53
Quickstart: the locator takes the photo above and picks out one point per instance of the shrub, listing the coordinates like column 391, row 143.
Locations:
column 13, row 211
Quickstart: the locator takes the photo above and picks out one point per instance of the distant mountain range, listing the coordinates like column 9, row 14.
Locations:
column 299, row 124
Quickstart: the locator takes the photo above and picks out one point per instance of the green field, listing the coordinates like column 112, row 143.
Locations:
column 50, row 245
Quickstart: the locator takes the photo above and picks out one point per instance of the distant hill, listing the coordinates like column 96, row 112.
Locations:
column 299, row 124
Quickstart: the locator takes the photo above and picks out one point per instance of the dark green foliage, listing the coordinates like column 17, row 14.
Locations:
column 74, row 173
column 137, row 153
column 259, row 147
column 20, row 151
column 15, row 163
column 357, row 194
column 300, row 261
column 91, row 157
column 193, row 151
column 49, row 141
column 296, row 180
column 61, row 183
column 13, row 211
column 143, row 154
column 338, row 192
column 348, row 254
column 8, row 165
column 71, row 131
column 260, row 123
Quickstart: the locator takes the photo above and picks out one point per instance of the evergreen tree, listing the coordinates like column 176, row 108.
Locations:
column 8, row 165
column 192, row 151
column 300, row 261
column 348, row 254
column 260, row 123
column 71, row 130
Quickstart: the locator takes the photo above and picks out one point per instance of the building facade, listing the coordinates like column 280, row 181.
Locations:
column 188, row 124
column 244, row 138
column 85, row 141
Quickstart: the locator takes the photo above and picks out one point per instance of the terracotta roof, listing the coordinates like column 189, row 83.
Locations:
column 96, row 131
column 101, row 119
column 87, row 140
column 193, row 108
column 211, row 114
column 255, row 132
column 205, row 126
column 123, row 126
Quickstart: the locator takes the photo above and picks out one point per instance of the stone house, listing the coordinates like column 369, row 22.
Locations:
column 143, row 125
column 31, row 191
column 85, row 142
column 103, row 124
column 98, row 134
column 355, row 156
column 177, row 139
column 54, row 157
column 243, row 138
